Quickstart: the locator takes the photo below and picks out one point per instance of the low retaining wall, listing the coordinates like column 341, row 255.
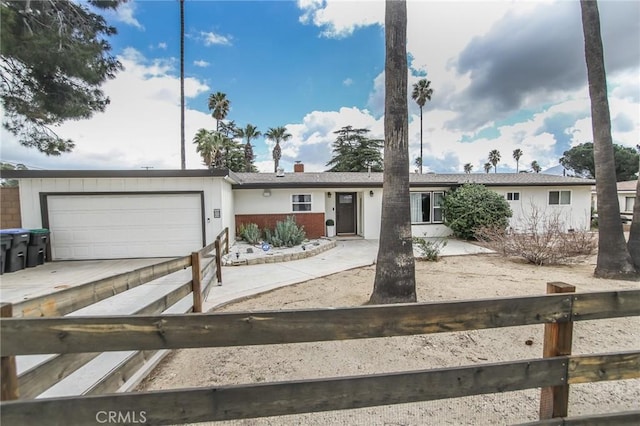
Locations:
column 310, row 250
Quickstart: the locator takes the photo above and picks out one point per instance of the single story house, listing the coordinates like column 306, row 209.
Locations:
column 107, row 214
column 626, row 198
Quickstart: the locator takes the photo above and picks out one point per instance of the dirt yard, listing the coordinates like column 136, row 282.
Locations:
column 465, row 277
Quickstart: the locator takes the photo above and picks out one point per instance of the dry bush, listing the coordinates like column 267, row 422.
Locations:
column 543, row 239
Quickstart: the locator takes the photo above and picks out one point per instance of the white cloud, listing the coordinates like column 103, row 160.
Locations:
column 339, row 18
column 211, row 38
column 311, row 140
column 347, row 82
column 201, row 63
column 162, row 45
column 124, row 13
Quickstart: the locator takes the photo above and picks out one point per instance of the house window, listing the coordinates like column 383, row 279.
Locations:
column 301, row 203
column 628, row 203
column 559, row 198
column 512, row 196
column 426, row 207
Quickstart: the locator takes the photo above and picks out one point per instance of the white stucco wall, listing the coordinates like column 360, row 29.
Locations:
column 576, row 215
column 253, row 201
column 622, row 200
column 217, row 194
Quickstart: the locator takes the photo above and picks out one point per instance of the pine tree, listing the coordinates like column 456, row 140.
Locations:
column 353, row 151
column 54, row 56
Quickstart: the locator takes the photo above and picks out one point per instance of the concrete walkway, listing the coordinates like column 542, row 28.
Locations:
column 247, row 280
column 243, row 281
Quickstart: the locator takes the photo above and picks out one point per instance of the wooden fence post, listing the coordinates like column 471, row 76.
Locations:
column 554, row 401
column 196, row 279
column 218, row 261
column 226, row 239
column 8, row 373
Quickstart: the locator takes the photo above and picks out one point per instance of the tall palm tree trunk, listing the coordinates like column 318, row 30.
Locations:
column 183, row 163
column 421, row 159
column 614, row 260
column 395, row 280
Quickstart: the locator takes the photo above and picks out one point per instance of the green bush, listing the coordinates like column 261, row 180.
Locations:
column 429, row 250
column 250, row 233
column 472, row 207
column 286, row 233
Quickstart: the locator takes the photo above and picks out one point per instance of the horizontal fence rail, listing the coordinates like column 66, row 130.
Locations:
column 294, row 397
column 117, row 333
column 74, row 298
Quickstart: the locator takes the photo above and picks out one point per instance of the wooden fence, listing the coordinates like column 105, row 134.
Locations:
column 32, row 382
column 73, row 335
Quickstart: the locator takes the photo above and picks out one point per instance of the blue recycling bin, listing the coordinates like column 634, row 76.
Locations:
column 37, row 249
column 16, row 256
column 5, row 243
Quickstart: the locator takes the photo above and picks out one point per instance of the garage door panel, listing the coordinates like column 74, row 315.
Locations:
column 120, row 226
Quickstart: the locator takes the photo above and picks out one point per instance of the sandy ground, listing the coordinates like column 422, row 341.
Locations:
column 464, row 277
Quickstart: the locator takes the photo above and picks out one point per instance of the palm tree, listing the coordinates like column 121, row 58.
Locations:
column 487, row 167
column 494, row 159
column 205, row 146
column 468, row 167
column 219, row 107
column 248, row 133
column 517, row 153
column 421, row 94
column 535, row 166
column 183, row 163
column 614, row 260
column 226, row 152
column 395, row 279
column 277, row 134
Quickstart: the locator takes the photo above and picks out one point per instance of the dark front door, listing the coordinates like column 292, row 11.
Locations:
column 346, row 213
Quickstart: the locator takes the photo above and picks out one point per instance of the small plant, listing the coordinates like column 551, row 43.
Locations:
column 286, row 233
column 429, row 249
column 250, row 233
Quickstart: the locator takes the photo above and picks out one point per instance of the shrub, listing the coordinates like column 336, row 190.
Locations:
column 286, row 233
column 429, row 249
column 472, row 207
column 542, row 240
column 250, row 233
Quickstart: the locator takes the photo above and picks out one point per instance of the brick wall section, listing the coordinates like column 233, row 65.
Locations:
column 10, row 207
column 313, row 222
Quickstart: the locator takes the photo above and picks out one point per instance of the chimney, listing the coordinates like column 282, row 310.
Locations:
column 298, row 167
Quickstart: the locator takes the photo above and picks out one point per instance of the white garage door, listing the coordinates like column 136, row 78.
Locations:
column 124, row 226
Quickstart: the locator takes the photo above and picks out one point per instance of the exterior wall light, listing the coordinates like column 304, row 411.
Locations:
column 371, row 193
column 328, row 195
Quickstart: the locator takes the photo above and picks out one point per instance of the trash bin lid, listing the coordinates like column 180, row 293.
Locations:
column 39, row 231
column 13, row 231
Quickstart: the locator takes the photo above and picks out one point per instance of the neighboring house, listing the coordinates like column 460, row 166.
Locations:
column 99, row 214
column 626, row 198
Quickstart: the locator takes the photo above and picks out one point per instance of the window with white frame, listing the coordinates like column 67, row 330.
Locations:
column 301, row 202
column 512, row 196
column 426, row 207
column 559, row 198
column 628, row 203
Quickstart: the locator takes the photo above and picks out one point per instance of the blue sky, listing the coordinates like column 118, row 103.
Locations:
column 505, row 74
